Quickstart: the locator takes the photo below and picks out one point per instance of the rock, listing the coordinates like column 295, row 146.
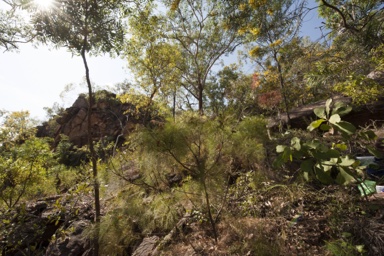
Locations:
column 29, row 229
column 73, row 244
column 146, row 247
column 377, row 76
column 302, row 116
column 109, row 120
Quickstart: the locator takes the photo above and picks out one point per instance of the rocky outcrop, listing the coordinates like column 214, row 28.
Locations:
column 108, row 119
column 302, row 116
column 53, row 225
column 72, row 244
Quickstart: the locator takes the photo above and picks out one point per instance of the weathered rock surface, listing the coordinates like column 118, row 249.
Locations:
column 302, row 116
column 109, row 120
column 73, row 244
column 30, row 229
column 147, row 246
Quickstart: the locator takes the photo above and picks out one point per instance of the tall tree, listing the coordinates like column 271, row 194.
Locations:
column 84, row 26
column 357, row 33
column 200, row 28
column 152, row 59
column 269, row 26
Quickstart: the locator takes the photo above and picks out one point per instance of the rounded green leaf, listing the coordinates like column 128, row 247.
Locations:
column 334, row 119
column 346, row 127
column 280, row 148
column 315, row 124
column 325, row 127
column 320, row 112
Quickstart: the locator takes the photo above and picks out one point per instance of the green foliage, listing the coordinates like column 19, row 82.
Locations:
column 199, row 30
column 68, row 154
column 135, row 213
column 344, row 247
column 23, row 170
column 327, row 162
column 14, row 29
column 24, row 160
column 361, row 89
column 359, row 21
column 75, row 25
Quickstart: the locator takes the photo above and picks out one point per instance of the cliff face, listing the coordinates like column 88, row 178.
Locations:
column 109, row 120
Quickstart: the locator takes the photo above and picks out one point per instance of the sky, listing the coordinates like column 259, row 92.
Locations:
column 33, row 78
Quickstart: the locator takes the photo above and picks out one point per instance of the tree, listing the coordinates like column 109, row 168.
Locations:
column 200, row 29
column 360, row 20
column 13, row 28
column 84, row 26
column 23, row 158
column 153, row 60
column 357, row 35
column 269, row 26
column 232, row 92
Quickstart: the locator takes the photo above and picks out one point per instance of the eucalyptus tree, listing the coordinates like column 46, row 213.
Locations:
column 152, row 59
column 269, row 26
column 84, row 26
column 361, row 20
column 13, row 27
column 200, row 28
column 357, row 33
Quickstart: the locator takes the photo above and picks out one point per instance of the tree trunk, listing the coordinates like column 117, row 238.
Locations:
column 283, row 89
column 200, row 99
column 96, row 184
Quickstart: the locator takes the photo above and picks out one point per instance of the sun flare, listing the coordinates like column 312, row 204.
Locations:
column 44, row 4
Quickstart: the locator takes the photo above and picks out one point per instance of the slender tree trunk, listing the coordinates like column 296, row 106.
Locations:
column 283, row 89
column 200, row 99
column 210, row 216
column 96, row 184
column 174, row 105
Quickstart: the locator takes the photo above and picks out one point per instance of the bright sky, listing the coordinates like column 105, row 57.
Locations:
column 34, row 78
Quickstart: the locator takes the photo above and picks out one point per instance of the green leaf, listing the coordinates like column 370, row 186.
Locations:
column 344, row 176
column 322, row 175
column 313, row 144
column 346, row 161
column 327, row 155
column 334, row 119
column 279, row 161
column 295, row 143
column 320, row 112
column 376, row 153
column 369, row 135
column 287, row 154
column 341, row 108
column 325, row 127
column 315, row 124
column 346, row 127
column 328, row 107
column 280, row 148
column 342, row 147
column 307, row 167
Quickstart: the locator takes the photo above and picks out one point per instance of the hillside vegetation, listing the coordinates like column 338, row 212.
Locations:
column 193, row 160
